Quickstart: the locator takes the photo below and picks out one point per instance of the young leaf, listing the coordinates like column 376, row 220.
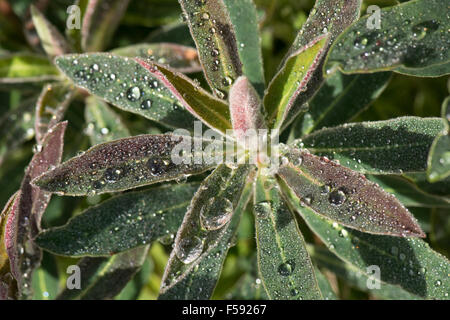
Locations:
column 51, row 107
column 104, row 278
column 121, row 223
column 201, row 104
column 180, row 58
column 284, row 264
column 292, row 80
column 412, row 35
column 216, row 43
column 439, row 156
column 341, row 98
column 244, row 18
column 327, row 16
column 345, row 196
column 245, row 108
column 52, row 40
column 357, row 277
column 25, row 67
column 206, row 234
column 387, row 147
column 100, row 21
column 25, row 224
column 125, row 164
column 103, row 123
column 405, row 262
column 126, row 84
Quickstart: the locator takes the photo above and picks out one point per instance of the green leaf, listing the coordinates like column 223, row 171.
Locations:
column 175, row 33
column 152, row 13
column 45, row 279
column 408, row 193
column 324, row 285
column 213, row 112
column 52, row 40
column 104, row 278
column 103, row 123
column 215, row 38
column 206, row 234
column 284, row 264
column 244, row 18
column 387, row 147
column 181, row 58
column 100, row 21
column 135, row 286
column 327, row 16
column 340, row 99
column 121, row 223
column 345, row 196
column 248, row 288
column 292, row 80
column 114, row 82
column 356, row 277
column 51, row 106
column 405, row 262
column 412, row 35
column 25, row 67
column 127, row 163
column 440, row 188
column 74, row 34
column 439, row 156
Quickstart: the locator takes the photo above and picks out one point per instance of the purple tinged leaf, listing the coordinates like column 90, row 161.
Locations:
column 212, row 111
column 345, row 196
column 245, row 107
column 24, row 224
column 124, row 164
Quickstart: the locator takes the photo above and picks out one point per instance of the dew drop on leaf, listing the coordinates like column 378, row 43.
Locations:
column 189, row 249
column 216, row 213
column 263, row 209
column 337, row 197
column 286, row 268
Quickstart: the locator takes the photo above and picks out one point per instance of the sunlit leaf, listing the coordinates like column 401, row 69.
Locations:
column 345, row 196
column 292, row 80
column 206, row 234
column 181, row 58
column 45, row 279
column 215, row 38
column 412, row 35
column 121, row 223
column 25, row 67
column 124, row 83
column 285, row 267
column 388, row 147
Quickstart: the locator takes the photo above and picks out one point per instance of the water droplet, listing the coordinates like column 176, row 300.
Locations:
column 216, row 213
column 286, row 268
column 438, row 283
column 189, row 249
column 337, row 197
column 112, row 175
column 134, row 94
column 147, row 104
column 263, row 209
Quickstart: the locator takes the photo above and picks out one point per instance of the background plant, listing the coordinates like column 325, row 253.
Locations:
column 405, row 156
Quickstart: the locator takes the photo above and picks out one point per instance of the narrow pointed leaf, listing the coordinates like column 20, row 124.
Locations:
column 387, row 147
column 51, row 107
column 346, row 196
column 214, row 112
column 25, row 224
column 244, row 17
column 284, row 264
column 409, row 263
column 115, row 82
column 206, row 234
column 340, row 99
column 45, row 279
column 181, row 58
column 121, row 223
column 245, row 108
column 123, row 164
column 104, row 124
column 52, row 40
column 215, row 38
column 327, row 16
column 100, row 21
column 292, row 80
column 439, row 156
column 356, row 277
column 104, row 278
column 324, row 285
column 138, row 283
column 412, row 35
column 25, row 68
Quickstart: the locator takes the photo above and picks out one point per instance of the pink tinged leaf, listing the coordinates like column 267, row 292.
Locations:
column 245, row 108
column 345, row 196
column 210, row 110
column 24, row 224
